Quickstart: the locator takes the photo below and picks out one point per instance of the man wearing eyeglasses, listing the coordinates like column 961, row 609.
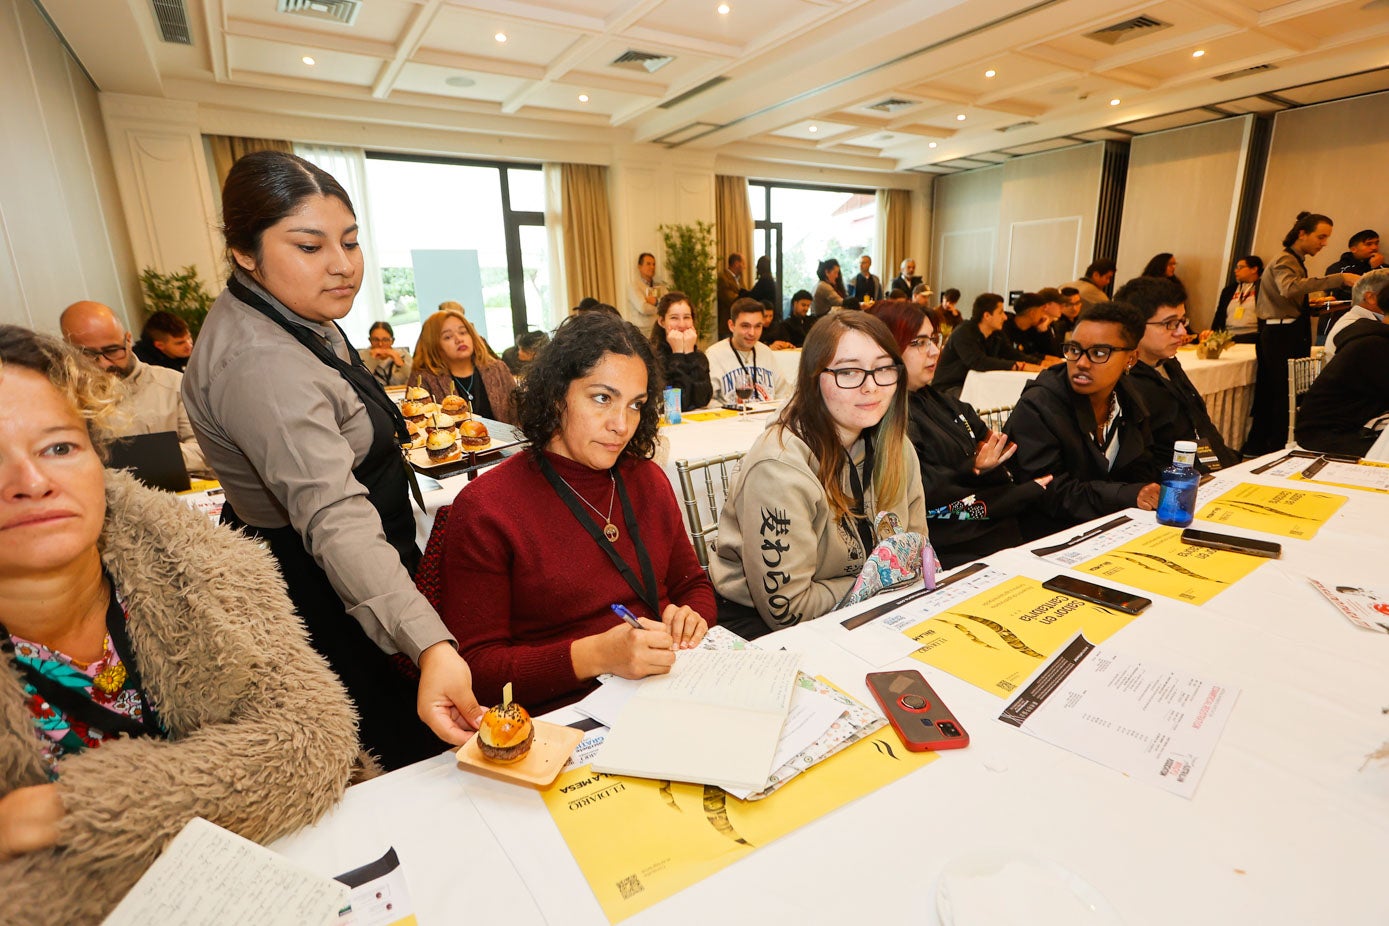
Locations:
column 1176, row 410
column 151, row 401
column 1082, row 423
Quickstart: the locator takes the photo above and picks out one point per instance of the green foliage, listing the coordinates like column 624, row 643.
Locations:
column 398, row 288
column 691, row 264
column 180, row 294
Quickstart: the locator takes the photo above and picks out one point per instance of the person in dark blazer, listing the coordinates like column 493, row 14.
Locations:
column 866, row 285
column 730, row 286
column 906, row 279
column 1081, row 423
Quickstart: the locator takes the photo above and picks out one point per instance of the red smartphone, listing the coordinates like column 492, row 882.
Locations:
column 921, row 719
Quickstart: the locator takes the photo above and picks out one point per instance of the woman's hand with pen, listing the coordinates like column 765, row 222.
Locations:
column 631, row 652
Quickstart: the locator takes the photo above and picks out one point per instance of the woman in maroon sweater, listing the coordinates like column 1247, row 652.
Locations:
column 538, row 549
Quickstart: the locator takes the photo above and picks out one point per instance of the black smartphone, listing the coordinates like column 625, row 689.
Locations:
column 922, row 722
column 1127, row 602
column 1233, row 544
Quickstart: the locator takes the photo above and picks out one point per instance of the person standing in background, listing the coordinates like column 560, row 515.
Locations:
column 730, row 286
column 644, row 293
column 765, row 289
column 1284, row 333
column 907, row 279
column 829, row 292
column 866, row 285
column 1236, row 309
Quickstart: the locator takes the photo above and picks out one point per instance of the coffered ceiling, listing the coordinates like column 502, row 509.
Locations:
column 929, row 85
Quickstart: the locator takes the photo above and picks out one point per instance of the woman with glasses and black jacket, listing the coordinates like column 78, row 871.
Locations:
column 1083, row 424
column 972, row 502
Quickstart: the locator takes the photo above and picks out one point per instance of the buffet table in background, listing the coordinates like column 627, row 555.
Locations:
column 1287, row 826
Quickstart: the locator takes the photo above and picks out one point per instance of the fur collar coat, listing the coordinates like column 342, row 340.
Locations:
column 262, row 738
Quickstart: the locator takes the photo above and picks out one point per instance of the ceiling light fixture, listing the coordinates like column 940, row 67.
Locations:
column 583, row 97
column 1115, row 102
column 1198, row 53
column 458, row 80
column 500, row 37
column 813, row 129
column 989, row 73
column 960, row 117
column 722, row 9
column 307, row 60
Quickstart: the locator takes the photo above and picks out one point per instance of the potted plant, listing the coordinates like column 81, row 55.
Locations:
column 691, row 265
column 180, row 294
column 1212, row 343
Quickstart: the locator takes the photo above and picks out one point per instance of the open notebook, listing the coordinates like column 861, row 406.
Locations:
column 715, row 719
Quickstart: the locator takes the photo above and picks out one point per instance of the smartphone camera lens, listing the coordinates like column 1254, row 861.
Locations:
column 948, row 728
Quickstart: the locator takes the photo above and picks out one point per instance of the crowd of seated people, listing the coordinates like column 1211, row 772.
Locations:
column 871, row 450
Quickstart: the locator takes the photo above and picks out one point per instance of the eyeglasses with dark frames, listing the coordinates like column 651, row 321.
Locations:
column 1172, row 324
column 854, row 377
column 1098, row 353
column 112, row 352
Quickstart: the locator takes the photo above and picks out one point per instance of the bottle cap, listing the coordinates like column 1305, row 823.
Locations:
column 1184, row 446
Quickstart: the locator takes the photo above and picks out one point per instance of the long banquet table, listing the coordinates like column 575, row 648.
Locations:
column 1289, row 824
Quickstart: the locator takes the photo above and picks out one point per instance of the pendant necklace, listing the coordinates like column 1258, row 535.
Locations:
column 610, row 530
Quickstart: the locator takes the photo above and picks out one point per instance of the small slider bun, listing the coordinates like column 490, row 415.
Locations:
column 506, row 733
column 455, row 405
column 417, row 394
column 441, row 447
column 473, row 433
column 413, row 411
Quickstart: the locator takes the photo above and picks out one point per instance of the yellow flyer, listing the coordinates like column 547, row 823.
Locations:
column 1160, row 563
column 999, row 637
column 639, row 841
column 1272, row 509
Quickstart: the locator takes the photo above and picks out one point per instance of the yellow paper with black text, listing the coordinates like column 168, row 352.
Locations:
column 1273, row 509
column 998, row 638
column 1160, row 563
column 639, row 841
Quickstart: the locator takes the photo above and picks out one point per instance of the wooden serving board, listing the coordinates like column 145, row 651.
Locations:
column 551, row 748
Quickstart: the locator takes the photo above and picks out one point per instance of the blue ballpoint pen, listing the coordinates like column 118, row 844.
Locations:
column 626, row 614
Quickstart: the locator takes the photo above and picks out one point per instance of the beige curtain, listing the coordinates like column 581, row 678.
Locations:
column 895, row 233
column 733, row 223
column 226, row 149
column 587, row 233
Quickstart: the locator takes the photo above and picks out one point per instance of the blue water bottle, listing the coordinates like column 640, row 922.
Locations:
column 1177, row 502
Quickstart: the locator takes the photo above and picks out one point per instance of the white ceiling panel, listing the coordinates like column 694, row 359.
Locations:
column 473, row 33
column 281, row 60
column 425, row 78
column 378, row 19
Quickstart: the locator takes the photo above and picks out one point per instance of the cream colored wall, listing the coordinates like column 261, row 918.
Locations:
column 61, row 236
column 965, row 233
column 1328, row 159
column 1183, row 197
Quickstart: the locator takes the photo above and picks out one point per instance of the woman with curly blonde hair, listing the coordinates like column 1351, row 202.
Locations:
column 151, row 667
column 452, row 359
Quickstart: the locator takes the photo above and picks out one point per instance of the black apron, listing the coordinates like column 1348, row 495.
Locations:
column 384, row 698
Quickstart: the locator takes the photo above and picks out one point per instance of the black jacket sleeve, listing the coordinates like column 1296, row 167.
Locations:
column 690, row 373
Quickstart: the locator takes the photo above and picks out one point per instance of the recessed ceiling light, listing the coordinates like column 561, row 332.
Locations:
column 813, row 129
column 928, row 145
column 1198, row 53
column 583, row 97
column 1115, row 102
column 500, row 36
column 990, row 73
column 722, row 9
column 307, row 60
column 960, row 117
column 458, row 80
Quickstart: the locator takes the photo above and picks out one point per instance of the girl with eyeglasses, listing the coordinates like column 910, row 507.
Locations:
column 972, row 502
column 798, row 524
column 1082, row 423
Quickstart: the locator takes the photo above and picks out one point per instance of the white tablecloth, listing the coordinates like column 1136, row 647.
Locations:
column 1227, row 385
column 1288, row 826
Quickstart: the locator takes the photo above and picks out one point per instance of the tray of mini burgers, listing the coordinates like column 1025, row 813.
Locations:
column 444, row 436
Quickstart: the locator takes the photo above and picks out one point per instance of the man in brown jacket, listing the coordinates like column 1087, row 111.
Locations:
column 730, row 287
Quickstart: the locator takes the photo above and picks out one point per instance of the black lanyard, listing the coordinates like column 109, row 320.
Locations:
column 367, row 386
column 859, row 488
column 646, row 589
column 752, row 374
column 79, row 707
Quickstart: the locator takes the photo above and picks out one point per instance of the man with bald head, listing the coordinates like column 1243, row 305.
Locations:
column 152, row 402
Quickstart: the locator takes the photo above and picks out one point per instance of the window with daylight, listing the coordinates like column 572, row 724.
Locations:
column 798, row 226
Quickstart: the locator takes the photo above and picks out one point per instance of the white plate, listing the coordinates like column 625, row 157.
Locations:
column 1007, row 887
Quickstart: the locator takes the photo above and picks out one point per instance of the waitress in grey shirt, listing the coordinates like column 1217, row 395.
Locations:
column 306, row 444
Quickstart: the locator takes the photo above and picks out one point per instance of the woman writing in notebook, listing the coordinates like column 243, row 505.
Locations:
column 535, row 608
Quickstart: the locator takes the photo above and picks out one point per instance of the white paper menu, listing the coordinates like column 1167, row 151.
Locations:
column 1152, row 723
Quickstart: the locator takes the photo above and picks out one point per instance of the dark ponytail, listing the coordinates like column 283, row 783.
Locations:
column 262, row 188
column 1306, row 223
